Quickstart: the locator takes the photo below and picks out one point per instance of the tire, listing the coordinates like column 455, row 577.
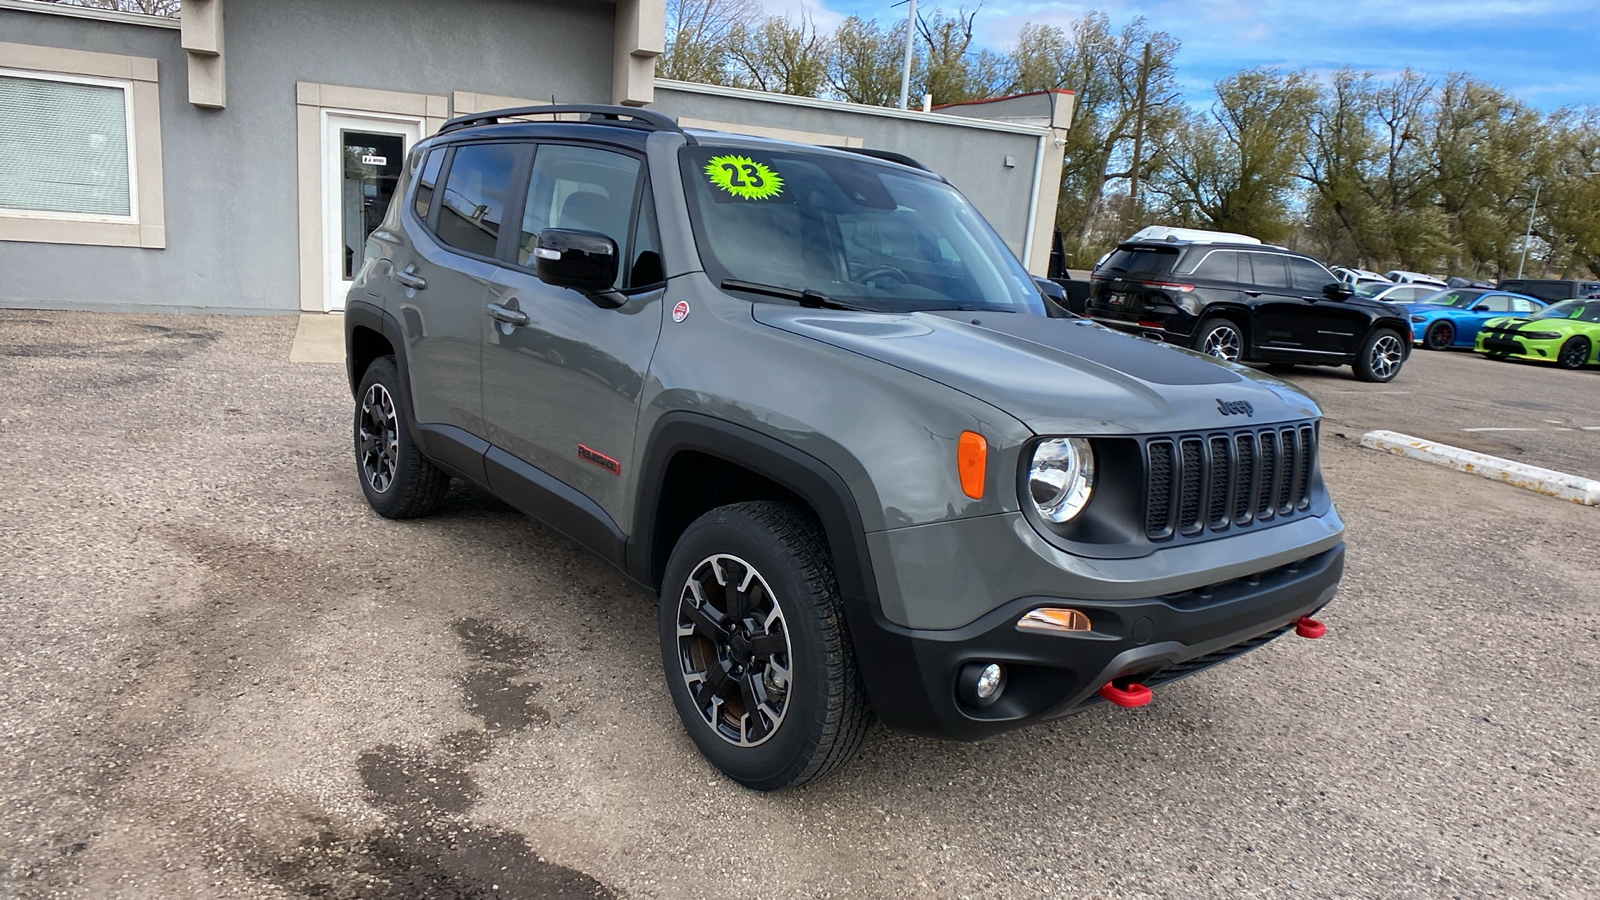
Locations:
column 812, row 713
column 1439, row 336
column 1574, row 353
column 398, row 481
column 1221, row 338
column 1381, row 356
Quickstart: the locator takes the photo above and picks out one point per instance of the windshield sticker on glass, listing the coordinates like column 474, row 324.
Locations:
column 744, row 178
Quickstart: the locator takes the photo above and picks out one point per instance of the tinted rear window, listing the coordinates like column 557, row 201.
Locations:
column 474, row 201
column 1140, row 261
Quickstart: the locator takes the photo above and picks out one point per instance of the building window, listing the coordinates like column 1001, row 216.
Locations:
column 65, row 147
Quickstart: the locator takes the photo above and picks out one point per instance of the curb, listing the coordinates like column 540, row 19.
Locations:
column 1549, row 482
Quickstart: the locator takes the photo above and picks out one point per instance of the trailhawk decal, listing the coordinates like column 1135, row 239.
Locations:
column 743, row 177
column 599, row 459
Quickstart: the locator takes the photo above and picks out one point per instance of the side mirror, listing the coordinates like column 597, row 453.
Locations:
column 1481, row 307
column 1338, row 291
column 1055, row 299
column 585, row 261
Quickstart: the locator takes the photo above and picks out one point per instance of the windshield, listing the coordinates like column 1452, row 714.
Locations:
column 856, row 231
column 1453, row 299
column 1580, row 310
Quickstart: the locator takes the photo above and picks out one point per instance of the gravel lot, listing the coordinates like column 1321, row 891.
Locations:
column 224, row 677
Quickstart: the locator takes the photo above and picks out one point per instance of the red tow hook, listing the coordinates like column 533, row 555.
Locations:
column 1307, row 627
column 1129, row 697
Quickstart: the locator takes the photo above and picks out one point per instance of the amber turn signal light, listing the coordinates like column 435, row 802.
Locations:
column 1054, row 620
column 972, row 455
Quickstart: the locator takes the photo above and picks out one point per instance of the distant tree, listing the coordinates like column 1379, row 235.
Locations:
column 780, row 56
column 697, row 38
column 1104, row 69
column 1568, row 219
column 946, row 68
column 1234, row 167
column 147, row 7
column 865, row 62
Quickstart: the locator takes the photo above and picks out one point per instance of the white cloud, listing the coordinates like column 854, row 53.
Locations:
column 817, row 11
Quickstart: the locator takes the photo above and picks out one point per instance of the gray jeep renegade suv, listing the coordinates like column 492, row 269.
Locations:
column 809, row 397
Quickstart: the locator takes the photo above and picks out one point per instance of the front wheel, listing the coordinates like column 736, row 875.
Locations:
column 1220, row 338
column 1380, row 358
column 1440, row 336
column 755, row 647
column 1574, row 353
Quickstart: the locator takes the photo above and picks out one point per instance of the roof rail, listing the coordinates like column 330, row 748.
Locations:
column 889, row 155
column 599, row 114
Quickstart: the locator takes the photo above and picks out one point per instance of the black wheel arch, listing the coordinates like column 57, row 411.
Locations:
column 886, row 656
column 369, row 333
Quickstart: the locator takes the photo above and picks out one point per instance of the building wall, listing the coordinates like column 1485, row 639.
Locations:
column 971, row 156
column 231, row 174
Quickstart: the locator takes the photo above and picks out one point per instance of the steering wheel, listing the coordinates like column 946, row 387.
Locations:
column 882, row 272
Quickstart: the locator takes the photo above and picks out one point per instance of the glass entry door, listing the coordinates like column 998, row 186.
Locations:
column 362, row 161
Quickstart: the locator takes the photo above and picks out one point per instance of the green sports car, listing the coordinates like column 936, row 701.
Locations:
column 1567, row 332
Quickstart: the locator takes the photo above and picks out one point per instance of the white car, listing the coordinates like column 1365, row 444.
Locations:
column 1358, row 276
column 1402, row 277
column 1390, row 292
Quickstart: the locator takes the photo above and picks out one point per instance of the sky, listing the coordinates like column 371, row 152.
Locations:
column 1544, row 51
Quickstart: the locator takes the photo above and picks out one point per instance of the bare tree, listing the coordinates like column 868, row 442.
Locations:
column 779, row 56
column 147, row 7
column 698, row 36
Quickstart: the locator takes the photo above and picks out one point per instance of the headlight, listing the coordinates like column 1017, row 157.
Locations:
column 1419, row 318
column 1540, row 335
column 1061, row 478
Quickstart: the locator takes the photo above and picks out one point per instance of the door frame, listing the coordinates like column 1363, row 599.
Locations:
column 311, row 99
column 410, row 128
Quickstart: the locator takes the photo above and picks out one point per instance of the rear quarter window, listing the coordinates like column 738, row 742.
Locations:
column 1220, row 265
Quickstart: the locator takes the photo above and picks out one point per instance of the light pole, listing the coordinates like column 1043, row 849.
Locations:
column 911, row 47
column 1527, row 235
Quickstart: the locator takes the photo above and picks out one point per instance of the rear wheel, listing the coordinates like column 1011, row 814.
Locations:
column 1381, row 356
column 755, row 647
column 1439, row 336
column 398, row 481
column 1574, row 353
column 1220, row 338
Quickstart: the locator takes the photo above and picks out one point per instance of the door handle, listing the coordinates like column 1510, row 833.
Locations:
column 1252, row 293
column 506, row 314
column 410, row 279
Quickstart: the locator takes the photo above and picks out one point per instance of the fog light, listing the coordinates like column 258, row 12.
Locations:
column 981, row 684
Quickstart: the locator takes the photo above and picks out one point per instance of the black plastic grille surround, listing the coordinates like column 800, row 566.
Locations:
column 1225, row 480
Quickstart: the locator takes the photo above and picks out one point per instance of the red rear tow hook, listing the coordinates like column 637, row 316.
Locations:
column 1127, row 698
column 1307, row 627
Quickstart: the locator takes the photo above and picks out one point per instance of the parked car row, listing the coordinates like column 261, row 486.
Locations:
column 1567, row 333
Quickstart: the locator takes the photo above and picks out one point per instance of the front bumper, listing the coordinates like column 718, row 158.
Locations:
column 1520, row 347
column 911, row 673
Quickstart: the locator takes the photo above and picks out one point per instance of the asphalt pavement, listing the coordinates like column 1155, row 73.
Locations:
column 223, row 676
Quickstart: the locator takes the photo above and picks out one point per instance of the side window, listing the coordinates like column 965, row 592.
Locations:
column 1308, row 277
column 1219, row 265
column 1495, row 302
column 474, row 201
column 1520, row 305
column 1270, row 270
column 1411, row 294
column 583, row 188
column 422, row 200
column 644, row 267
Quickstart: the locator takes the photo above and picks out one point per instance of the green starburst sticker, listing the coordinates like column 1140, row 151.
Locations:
column 744, row 178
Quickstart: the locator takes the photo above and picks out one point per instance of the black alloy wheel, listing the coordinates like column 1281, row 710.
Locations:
column 733, row 650
column 755, row 647
column 1574, row 353
column 397, row 480
column 1439, row 336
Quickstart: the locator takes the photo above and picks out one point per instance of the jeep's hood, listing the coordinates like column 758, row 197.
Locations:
column 1057, row 376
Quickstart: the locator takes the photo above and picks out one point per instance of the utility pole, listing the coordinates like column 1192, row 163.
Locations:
column 1138, row 132
column 1528, row 235
column 911, row 48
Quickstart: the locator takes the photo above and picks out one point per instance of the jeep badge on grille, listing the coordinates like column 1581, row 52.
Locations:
column 1235, row 407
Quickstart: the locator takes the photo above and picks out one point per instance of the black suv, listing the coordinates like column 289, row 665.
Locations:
column 1245, row 301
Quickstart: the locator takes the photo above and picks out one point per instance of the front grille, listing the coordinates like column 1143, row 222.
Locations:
column 1198, row 484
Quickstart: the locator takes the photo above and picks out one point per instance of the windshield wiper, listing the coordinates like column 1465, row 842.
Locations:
column 807, row 298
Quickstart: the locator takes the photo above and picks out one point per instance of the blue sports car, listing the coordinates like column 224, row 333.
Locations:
column 1451, row 318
